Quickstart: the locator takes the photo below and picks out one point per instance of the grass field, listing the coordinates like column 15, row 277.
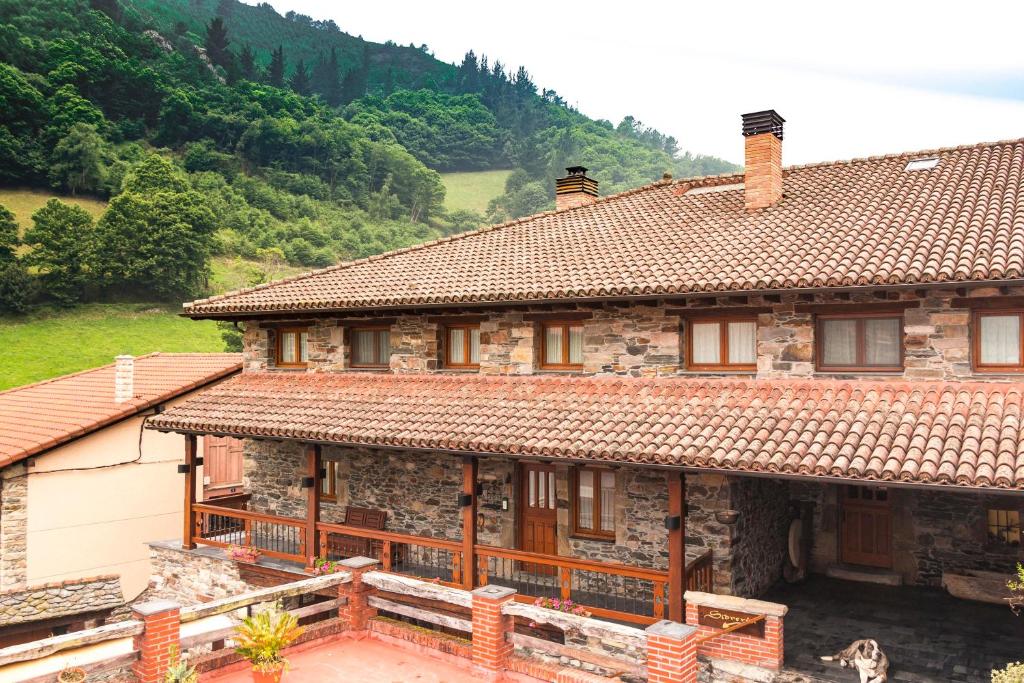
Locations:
column 473, row 189
column 50, row 342
column 23, row 202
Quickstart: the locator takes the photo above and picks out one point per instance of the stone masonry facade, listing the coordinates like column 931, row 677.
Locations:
column 13, row 527
column 62, row 599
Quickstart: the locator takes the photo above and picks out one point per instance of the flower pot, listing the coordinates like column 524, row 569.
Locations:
column 269, row 676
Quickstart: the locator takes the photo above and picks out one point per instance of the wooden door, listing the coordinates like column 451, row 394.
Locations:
column 538, row 525
column 866, row 535
column 222, row 466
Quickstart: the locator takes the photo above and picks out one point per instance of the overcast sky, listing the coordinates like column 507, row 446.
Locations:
column 851, row 79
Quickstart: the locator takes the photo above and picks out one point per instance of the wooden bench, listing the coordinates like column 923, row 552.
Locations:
column 364, row 518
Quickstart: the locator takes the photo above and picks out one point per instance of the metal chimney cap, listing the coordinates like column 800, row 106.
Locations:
column 758, row 122
column 576, row 170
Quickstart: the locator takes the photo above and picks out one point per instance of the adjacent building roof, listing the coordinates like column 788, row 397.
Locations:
column 840, row 224
column 37, row 417
column 954, row 434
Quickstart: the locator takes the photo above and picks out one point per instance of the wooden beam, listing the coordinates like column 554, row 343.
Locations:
column 314, row 461
column 187, row 541
column 676, row 545
column 469, row 476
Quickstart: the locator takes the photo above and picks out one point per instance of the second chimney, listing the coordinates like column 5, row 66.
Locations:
column 124, row 379
column 762, row 179
column 575, row 189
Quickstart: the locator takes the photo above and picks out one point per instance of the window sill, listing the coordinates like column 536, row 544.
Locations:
column 287, row 368
column 705, row 373
column 860, row 373
column 592, row 537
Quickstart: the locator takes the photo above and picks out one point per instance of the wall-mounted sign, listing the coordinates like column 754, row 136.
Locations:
column 724, row 618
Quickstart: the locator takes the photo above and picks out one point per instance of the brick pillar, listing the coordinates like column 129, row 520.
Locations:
column 162, row 629
column 773, row 639
column 491, row 648
column 357, row 611
column 671, row 653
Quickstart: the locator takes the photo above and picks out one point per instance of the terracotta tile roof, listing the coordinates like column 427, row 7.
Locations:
column 36, row 417
column 860, row 222
column 960, row 434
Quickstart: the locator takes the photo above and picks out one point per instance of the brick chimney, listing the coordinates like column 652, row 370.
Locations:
column 575, row 189
column 762, row 181
column 124, row 378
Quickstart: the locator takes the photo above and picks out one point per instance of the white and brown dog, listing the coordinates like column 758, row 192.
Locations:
column 866, row 657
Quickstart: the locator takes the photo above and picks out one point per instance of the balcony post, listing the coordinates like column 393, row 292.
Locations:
column 469, row 477
column 187, row 540
column 676, row 523
column 314, row 463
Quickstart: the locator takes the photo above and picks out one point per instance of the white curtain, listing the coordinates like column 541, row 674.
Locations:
column 474, row 345
column 362, row 347
column 706, row 343
column 287, row 347
column 840, row 342
column 457, row 345
column 303, row 341
column 882, row 341
column 553, row 345
column 1000, row 339
column 576, row 344
column 586, row 499
column 383, row 347
column 742, row 343
column 607, row 501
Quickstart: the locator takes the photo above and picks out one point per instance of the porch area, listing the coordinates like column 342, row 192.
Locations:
column 471, row 529
column 928, row 635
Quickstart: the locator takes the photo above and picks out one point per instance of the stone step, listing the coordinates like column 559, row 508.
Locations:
column 882, row 577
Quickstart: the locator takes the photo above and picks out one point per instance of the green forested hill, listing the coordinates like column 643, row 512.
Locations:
column 214, row 128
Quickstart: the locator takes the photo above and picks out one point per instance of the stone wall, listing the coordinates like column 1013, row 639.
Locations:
column 273, row 474
column 631, row 340
column 190, row 577
column 62, row 599
column 13, row 526
column 763, row 525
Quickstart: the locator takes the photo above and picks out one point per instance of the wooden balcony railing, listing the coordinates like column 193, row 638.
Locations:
column 606, row 589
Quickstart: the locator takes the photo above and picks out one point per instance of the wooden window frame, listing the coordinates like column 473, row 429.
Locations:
column 596, row 534
column 465, row 364
column 976, row 317
column 353, row 331
column 565, row 364
column 329, row 492
column 279, row 333
column 723, row 342
column 861, row 349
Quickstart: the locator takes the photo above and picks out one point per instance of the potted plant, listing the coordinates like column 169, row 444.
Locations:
column 323, row 566
column 179, row 671
column 261, row 638
column 71, row 674
column 244, row 553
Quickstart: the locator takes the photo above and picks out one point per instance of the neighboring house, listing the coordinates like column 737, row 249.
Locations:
column 712, row 382
column 84, row 488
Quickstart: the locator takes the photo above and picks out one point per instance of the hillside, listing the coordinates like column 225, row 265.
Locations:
column 473, row 190
column 23, row 202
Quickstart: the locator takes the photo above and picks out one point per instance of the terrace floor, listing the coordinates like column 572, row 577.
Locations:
column 927, row 634
column 363, row 660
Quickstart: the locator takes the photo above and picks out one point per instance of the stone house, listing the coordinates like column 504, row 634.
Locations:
column 720, row 382
column 83, row 488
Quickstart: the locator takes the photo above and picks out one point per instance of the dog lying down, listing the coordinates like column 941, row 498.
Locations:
column 866, row 657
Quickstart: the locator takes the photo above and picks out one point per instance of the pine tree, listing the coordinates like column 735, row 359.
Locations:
column 247, row 63
column 332, row 83
column 300, row 79
column 469, row 74
column 217, row 42
column 275, row 72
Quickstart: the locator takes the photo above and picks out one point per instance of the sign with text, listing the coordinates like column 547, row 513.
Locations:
column 724, row 618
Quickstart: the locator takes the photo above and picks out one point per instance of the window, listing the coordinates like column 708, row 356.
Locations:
column 594, row 502
column 329, row 480
column 1004, row 527
column 722, row 344
column 562, row 346
column 371, row 347
column 922, row 164
column 997, row 341
column 864, row 343
column 462, row 346
column 291, row 348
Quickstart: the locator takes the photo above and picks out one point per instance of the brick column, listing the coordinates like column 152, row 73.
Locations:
column 162, row 629
column 671, row 653
column 773, row 639
column 357, row 611
column 491, row 648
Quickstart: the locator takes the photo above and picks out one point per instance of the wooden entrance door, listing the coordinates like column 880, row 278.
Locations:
column 222, row 466
column 538, row 525
column 866, row 536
